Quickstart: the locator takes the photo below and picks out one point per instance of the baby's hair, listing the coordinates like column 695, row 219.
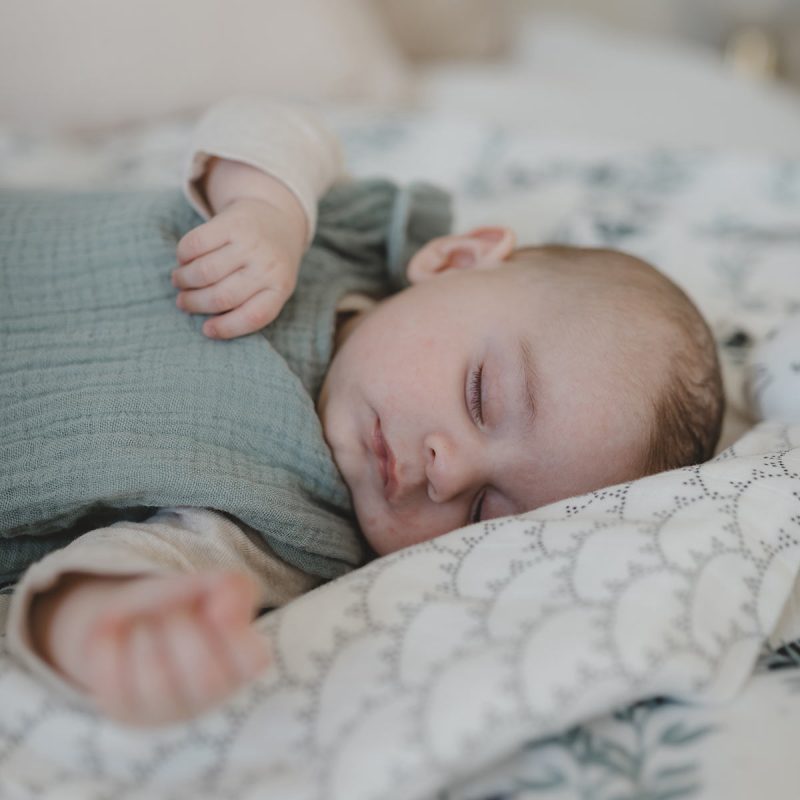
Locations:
column 687, row 412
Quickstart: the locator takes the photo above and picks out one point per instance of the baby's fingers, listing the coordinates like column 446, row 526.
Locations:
column 227, row 294
column 201, row 670
column 246, row 652
column 207, row 269
column 148, row 597
column 154, row 695
column 108, row 675
column 203, row 239
column 252, row 315
column 229, row 609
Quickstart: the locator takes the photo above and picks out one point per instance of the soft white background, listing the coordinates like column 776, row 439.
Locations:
column 670, row 71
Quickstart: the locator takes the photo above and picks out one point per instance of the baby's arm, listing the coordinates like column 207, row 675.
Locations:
column 151, row 621
column 260, row 169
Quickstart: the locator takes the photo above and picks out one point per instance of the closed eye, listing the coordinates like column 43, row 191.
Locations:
column 475, row 516
column 475, row 394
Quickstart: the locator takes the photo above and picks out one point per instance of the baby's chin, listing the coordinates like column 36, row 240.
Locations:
column 374, row 528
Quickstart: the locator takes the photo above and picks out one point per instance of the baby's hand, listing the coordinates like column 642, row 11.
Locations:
column 241, row 266
column 158, row 649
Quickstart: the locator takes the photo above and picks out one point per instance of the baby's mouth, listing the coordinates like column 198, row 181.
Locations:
column 386, row 460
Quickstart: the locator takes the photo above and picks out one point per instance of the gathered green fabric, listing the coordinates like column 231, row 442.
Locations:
column 114, row 403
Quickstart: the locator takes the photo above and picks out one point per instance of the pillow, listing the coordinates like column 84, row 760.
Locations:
column 448, row 28
column 90, row 63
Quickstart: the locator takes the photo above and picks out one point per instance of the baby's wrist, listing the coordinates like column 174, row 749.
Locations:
column 282, row 218
column 228, row 181
column 59, row 620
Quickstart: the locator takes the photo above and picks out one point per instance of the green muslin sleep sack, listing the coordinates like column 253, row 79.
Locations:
column 113, row 402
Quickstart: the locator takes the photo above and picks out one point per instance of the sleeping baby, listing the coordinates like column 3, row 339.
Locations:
column 197, row 428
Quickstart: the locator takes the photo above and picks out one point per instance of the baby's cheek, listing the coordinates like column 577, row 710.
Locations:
column 373, row 527
column 389, row 530
column 387, row 534
column 430, row 524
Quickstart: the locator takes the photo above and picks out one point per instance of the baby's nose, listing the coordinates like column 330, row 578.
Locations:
column 451, row 469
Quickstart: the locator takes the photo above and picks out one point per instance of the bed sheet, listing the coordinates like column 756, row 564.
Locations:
column 524, row 657
column 662, row 749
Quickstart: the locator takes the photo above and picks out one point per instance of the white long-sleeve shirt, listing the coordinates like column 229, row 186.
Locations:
column 294, row 147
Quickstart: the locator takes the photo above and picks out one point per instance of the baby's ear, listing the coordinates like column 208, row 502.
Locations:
column 480, row 248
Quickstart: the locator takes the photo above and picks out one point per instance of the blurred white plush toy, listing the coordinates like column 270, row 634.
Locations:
column 774, row 374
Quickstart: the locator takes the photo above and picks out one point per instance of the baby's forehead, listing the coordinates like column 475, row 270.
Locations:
column 613, row 331
column 617, row 284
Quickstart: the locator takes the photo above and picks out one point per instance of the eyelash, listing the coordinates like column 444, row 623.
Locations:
column 475, row 384
column 476, row 514
column 476, row 407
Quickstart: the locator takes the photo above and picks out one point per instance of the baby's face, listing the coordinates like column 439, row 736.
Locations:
column 473, row 395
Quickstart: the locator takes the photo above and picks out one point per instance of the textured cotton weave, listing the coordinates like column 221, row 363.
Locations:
column 113, row 402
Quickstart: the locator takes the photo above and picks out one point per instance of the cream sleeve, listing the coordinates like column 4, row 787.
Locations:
column 173, row 540
column 287, row 142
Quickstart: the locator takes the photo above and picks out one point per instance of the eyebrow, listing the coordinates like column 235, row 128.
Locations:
column 529, row 375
